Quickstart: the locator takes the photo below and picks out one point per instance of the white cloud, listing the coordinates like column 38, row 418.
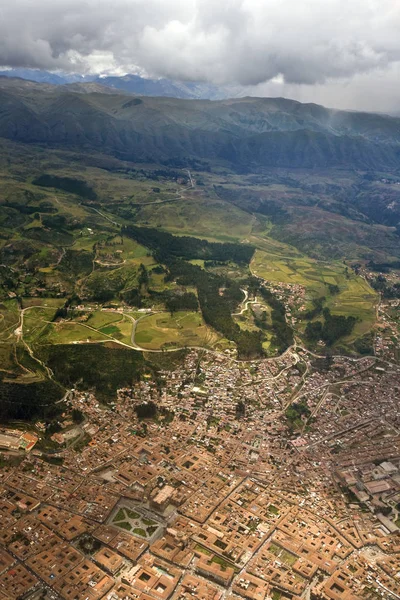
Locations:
column 245, row 42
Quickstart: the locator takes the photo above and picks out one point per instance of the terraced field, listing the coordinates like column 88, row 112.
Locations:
column 355, row 296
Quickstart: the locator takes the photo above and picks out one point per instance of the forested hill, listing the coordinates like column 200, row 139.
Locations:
column 245, row 132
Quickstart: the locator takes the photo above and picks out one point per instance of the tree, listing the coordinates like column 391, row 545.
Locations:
column 146, row 410
column 186, row 301
column 143, row 278
column 313, row 331
column 77, row 416
column 333, row 289
column 240, row 409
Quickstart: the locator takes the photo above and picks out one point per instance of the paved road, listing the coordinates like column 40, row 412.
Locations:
column 245, row 303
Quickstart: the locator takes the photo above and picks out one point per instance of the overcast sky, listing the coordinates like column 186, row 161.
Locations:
column 343, row 53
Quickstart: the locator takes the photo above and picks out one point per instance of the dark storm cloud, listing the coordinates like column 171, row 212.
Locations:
column 247, row 42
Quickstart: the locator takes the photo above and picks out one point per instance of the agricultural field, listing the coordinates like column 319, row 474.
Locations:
column 301, row 270
column 357, row 299
column 354, row 298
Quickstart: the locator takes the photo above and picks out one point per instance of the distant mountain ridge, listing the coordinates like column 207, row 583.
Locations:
column 246, row 132
column 130, row 83
column 36, row 75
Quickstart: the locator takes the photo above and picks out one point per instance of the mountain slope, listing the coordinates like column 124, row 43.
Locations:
column 246, row 131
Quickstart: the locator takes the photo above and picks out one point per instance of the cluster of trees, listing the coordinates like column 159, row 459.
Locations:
column 179, row 162
column 101, row 287
column 76, row 263
column 296, row 412
column 388, row 290
column 133, row 297
column 365, row 344
column 185, row 301
column 318, row 304
column 28, row 402
column 186, row 247
column 68, row 184
column 333, row 289
column 146, row 410
column 383, row 267
column 273, row 211
column 318, row 307
column 62, row 311
column 143, row 277
column 157, row 174
column 31, row 209
column 60, row 222
column 249, row 344
column 102, row 368
column 333, row 328
column 77, row 416
column 9, row 280
column 283, row 333
column 240, row 409
column 218, row 298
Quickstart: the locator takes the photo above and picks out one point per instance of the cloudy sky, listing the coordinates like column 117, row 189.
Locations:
column 343, row 53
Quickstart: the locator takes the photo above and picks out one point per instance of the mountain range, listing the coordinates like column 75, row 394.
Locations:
column 131, row 83
column 245, row 132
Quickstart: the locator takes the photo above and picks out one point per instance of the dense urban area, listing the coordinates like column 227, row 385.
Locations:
column 272, row 478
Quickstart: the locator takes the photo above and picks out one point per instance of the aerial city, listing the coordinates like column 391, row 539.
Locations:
column 199, row 300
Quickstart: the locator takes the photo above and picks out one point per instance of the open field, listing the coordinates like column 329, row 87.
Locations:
column 162, row 330
column 202, row 216
column 101, row 319
column 117, row 326
column 122, row 249
column 37, row 323
column 83, row 328
column 9, row 318
column 68, row 332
